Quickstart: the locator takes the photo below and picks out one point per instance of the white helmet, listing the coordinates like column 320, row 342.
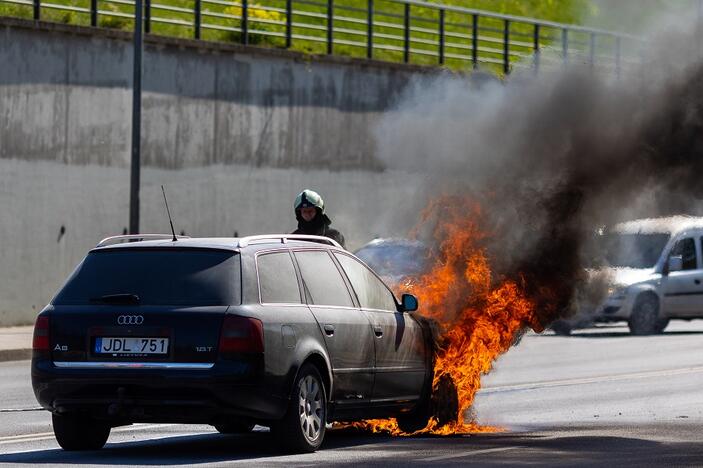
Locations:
column 309, row 198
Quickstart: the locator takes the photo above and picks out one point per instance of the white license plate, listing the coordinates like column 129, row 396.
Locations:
column 114, row 345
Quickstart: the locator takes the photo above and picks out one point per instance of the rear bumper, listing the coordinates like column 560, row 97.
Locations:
column 204, row 395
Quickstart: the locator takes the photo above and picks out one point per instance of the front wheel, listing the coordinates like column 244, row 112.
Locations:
column 75, row 432
column 644, row 319
column 303, row 427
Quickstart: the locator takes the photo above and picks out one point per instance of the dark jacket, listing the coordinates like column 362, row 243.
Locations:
column 319, row 226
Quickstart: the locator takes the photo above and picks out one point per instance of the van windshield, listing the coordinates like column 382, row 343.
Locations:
column 152, row 276
column 631, row 250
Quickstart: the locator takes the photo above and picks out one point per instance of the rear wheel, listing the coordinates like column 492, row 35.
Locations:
column 303, row 427
column 74, row 432
column 644, row 319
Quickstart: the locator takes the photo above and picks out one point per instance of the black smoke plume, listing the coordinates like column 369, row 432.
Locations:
column 554, row 157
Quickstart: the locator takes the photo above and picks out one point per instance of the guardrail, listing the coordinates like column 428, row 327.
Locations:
column 407, row 31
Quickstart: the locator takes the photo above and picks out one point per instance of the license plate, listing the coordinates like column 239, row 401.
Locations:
column 131, row 346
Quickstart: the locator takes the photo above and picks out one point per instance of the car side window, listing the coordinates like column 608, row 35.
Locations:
column 686, row 248
column 370, row 290
column 278, row 282
column 323, row 282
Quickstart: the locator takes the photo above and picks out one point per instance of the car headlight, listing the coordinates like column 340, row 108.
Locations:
column 617, row 292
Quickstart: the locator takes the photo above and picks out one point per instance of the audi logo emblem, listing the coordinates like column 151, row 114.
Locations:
column 130, row 320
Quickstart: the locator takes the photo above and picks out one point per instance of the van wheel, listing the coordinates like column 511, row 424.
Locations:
column 234, row 427
column 644, row 319
column 303, row 427
column 80, row 432
column 662, row 323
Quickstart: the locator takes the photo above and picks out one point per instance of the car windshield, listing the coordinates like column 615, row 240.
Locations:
column 395, row 260
column 154, row 277
column 631, row 250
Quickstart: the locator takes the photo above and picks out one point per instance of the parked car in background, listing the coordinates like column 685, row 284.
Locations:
column 395, row 259
column 654, row 270
column 290, row 332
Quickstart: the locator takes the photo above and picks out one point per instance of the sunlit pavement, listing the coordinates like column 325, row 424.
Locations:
column 600, row 397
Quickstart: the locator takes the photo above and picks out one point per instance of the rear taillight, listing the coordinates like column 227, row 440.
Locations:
column 40, row 341
column 241, row 335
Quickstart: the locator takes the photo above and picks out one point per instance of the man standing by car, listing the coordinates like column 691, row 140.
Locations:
column 312, row 220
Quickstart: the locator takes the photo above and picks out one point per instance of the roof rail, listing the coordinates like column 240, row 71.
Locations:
column 136, row 238
column 283, row 238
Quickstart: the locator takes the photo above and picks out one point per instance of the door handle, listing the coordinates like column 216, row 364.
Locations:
column 378, row 331
column 329, row 330
column 697, row 281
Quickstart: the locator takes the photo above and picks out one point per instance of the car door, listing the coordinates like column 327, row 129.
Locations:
column 346, row 330
column 683, row 290
column 401, row 352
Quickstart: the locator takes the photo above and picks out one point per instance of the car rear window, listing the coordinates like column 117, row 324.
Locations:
column 157, row 276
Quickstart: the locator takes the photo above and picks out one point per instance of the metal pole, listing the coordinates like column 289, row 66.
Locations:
column 330, row 26
column 592, row 57
column 136, row 121
column 506, row 47
column 474, row 41
column 147, row 16
column 406, row 34
column 441, row 37
column 369, row 30
column 245, row 22
column 289, row 23
column 565, row 45
column 93, row 13
column 197, row 19
column 535, row 47
column 37, row 9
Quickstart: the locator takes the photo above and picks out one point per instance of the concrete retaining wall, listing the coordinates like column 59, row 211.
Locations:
column 234, row 133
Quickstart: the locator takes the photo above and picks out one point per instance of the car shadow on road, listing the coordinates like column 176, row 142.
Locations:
column 543, row 448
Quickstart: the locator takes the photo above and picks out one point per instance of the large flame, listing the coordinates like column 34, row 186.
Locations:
column 479, row 316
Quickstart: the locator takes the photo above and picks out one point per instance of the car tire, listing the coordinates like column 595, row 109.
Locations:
column 302, row 429
column 561, row 328
column 644, row 319
column 418, row 418
column 234, row 427
column 75, row 432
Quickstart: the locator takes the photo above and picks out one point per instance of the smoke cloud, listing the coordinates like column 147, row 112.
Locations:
column 550, row 158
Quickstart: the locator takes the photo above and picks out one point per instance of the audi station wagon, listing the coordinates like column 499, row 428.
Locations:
column 289, row 332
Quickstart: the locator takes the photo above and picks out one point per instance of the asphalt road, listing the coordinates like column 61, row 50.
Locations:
column 598, row 398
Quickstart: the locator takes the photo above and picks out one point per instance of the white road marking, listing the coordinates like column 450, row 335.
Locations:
column 16, row 439
column 469, row 453
column 591, row 380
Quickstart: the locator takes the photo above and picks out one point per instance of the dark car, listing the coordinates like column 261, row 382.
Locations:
column 290, row 332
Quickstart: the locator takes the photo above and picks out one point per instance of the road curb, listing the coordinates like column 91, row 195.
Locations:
column 15, row 354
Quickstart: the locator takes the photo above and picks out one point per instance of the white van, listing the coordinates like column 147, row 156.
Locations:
column 654, row 268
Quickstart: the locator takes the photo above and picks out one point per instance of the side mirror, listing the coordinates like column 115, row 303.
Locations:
column 409, row 303
column 675, row 263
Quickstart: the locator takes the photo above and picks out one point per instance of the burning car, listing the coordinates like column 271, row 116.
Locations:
column 285, row 331
column 653, row 272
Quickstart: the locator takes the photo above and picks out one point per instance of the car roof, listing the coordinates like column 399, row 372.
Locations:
column 235, row 244
column 664, row 225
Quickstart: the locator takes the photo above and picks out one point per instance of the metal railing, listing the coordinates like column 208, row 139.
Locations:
column 409, row 31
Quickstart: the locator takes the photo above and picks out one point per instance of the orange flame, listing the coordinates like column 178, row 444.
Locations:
column 479, row 316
